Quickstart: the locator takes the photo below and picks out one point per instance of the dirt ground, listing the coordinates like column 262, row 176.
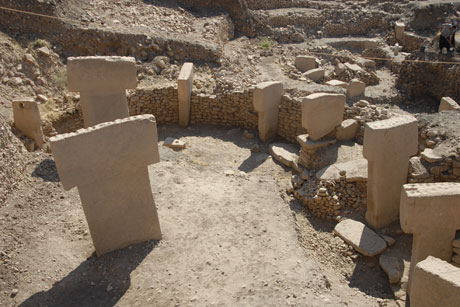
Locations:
column 232, row 237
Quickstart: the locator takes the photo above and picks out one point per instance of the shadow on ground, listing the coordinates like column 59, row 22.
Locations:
column 47, row 171
column 98, row 281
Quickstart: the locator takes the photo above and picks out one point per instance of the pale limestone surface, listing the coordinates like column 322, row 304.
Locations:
column 356, row 170
column 363, row 239
column 314, row 74
column 184, row 89
column 399, row 30
column 267, row 99
column 436, row 283
column 347, row 130
column 102, row 83
column 27, row 119
column 108, row 164
column 338, row 83
column 353, row 67
column 388, row 146
column 430, row 212
column 448, row 104
column 321, row 113
column 305, row 63
column 356, row 88
column 431, row 155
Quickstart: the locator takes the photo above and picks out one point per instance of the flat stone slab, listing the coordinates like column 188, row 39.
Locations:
column 356, row 170
column 174, row 143
column 431, row 156
column 286, row 154
column 363, row 239
column 308, row 144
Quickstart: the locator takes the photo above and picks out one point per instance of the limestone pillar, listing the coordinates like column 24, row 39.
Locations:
column 184, row 89
column 267, row 99
column 108, row 164
column 27, row 119
column 435, row 283
column 430, row 211
column 102, row 83
column 388, row 146
column 321, row 113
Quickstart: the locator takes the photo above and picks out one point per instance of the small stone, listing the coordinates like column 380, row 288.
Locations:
column 174, row 143
column 456, row 251
column 248, row 134
column 44, row 51
column 255, row 148
column 456, row 259
column 42, row 98
column 109, row 288
column 390, row 241
column 14, row 292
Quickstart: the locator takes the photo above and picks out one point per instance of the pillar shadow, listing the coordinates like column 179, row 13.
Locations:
column 47, row 171
column 97, row 281
column 253, row 162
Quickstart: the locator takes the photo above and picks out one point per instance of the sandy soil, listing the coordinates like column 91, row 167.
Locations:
column 231, row 238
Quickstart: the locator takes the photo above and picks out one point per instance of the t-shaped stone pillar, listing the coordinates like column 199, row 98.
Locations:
column 108, row 164
column 102, row 83
column 430, row 211
column 27, row 119
column 436, row 283
column 321, row 113
column 184, row 89
column 267, row 99
column 388, row 145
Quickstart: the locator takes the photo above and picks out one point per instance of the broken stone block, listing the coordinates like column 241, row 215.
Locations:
column 417, row 169
column 393, row 267
column 337, row 83
column 340, row 68
column 435, row 283
column 399, row 30
column 314, row 74
column 430, row 212
column 363, row 239
column 356, row 170
column 267, row 99
column 356, row 88
column 108, row 164
column 184, row 89
column 347, row 130
column 102, row 83
column 448, row 104
column 388, row 146
column 27, row 120
column 353, row 67
column 286, row 154
column 321, row 113
column 308, row 144
column 174, row 143
column 305, row 63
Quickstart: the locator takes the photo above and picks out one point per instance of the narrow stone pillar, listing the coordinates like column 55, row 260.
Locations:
column 321, row 113
column 27, row 120
column 102, row 83
column 435, row 283
column 430, row 211
column 184, row 89
column 267, row 99
column 388, row 146
column 399, row 30
column 108, row 164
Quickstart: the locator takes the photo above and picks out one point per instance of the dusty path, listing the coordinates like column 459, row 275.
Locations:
column 230, row 238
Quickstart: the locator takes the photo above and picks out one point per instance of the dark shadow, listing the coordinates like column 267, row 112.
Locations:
column 96, row 281
column 47, row 171
column 253, row 162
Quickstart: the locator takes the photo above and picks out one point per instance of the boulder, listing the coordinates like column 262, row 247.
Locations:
column 305, row 63
column 286, row 154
